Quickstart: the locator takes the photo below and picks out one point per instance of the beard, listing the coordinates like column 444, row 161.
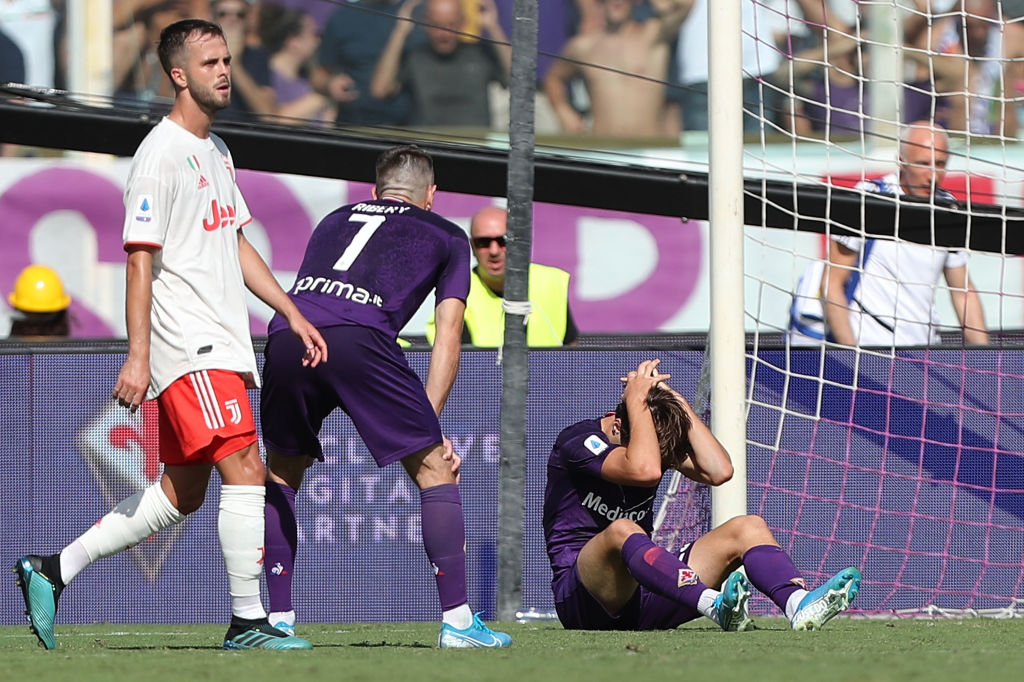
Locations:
column 211, row 98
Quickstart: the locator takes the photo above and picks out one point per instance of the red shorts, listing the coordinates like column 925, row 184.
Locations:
column 204, row 417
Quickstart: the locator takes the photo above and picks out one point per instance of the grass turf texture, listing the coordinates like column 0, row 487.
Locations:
column 932, row 650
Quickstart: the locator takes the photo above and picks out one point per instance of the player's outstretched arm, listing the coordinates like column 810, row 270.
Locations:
column 260, row 281
column 444, row 356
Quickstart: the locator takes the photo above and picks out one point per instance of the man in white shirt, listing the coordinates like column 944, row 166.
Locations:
column 880, row 292
column 188, row 345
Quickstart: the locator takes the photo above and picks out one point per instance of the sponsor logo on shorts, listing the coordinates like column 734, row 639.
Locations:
column 595, row 444
column 278, row 569
column 687, row 576
column 234, row 411
column 799, row 582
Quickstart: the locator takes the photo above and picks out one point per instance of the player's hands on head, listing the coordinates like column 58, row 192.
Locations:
column 132, row 383
column 639, row 382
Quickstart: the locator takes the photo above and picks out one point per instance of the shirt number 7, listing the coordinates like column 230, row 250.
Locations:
column 355, row 247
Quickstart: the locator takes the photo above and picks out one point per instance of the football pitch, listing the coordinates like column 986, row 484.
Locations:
column 848, row 649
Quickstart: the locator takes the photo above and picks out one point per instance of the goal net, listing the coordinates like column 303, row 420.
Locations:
column 901, row 453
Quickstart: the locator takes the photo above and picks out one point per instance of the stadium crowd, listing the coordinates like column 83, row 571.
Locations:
column 445, row 63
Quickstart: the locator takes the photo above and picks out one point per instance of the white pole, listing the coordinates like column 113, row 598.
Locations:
column 728, row 343
column 90, row 47
column 885, row 65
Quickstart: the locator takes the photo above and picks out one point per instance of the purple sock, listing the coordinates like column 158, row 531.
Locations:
column 280, row 544
column 444, row 539
column 660, row 571
column 772, row 571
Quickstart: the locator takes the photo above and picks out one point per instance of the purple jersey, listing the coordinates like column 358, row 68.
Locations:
column 578, row 503
column 373, row 264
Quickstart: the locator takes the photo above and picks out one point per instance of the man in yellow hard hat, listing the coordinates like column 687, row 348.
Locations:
column 40, row 303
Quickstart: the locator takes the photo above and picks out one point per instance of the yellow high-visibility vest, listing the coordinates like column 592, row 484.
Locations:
column 549, row 303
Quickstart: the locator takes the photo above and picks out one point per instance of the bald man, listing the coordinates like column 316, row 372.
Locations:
column 448, row 77
column 550, row 322
column 890, row 301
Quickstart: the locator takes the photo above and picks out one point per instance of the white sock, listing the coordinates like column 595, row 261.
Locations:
column 240, row 529
column 793, row 602
column 460, row 618
column 706, row 603
column 276, row 617
column 126, row 525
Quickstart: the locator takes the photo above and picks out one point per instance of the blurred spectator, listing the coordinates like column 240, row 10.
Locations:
column 352, row 42
column 447, row 78
column 29, row 24
column 830, row 83
column 40, row 304
column 12, row 62
column 557, row 22
column 137, row 72
column 320, row 10
column 974, row 75
column 291, row 38
column 252, row 95
column 624, row 66
column 767, row 27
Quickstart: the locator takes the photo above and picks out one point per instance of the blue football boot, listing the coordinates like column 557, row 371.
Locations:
column 260, row 634
column 827, row 601
column 41, row 595
column 476, row 635
column 731, row 605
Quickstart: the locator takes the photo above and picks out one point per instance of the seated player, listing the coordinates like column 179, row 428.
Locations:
column 603, row 475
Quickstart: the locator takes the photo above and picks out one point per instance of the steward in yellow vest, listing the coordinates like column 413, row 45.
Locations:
column 549, row 324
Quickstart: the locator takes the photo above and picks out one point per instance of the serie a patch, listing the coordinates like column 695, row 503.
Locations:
column 595, row 445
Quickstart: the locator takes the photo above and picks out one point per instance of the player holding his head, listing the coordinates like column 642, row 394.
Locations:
column 188, row 345
column 367, row 269
column 603, row 475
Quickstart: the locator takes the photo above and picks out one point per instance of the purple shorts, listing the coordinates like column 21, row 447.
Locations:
column 367, row 377
column 578, row 609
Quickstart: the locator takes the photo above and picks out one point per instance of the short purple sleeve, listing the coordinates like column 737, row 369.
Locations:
column 454, row 279
column 586, row 452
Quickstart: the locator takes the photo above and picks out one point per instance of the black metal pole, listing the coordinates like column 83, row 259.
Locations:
column 515, row 369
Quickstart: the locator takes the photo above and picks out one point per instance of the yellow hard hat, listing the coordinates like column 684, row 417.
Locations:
column 38, row 289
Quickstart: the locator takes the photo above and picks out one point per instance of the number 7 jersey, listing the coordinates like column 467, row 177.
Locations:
column 373, row 264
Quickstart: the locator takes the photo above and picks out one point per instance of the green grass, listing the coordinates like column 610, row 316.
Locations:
column 932, row 650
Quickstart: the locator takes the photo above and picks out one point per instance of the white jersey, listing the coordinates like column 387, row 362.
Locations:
column 891, row 294
column 181, row 196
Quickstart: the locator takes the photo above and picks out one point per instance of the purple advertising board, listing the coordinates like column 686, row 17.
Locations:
column 907, row 467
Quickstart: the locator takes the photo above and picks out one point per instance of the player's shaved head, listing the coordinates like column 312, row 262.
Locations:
column 174, row 38
column 671, row 424
column 406, row 172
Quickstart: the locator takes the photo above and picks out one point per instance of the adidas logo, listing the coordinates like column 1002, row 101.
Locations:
column 202, row 182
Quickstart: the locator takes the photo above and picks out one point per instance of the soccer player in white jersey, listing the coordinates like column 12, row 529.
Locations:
column 880, row 292
column 188, row 345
